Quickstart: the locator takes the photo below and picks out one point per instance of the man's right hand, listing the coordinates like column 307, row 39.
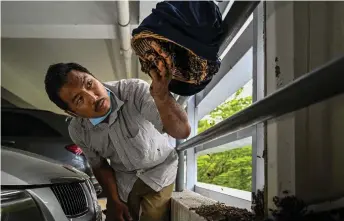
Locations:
column 117, row 211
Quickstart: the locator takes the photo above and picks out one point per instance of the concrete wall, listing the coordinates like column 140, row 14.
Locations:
column 305, row 148
column 319, row 152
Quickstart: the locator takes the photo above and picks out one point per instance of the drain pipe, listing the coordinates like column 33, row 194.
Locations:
column 183, row 100
column 180, row 173
column 124, row 34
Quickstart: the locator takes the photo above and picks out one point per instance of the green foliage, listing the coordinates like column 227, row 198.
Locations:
column 231, row 168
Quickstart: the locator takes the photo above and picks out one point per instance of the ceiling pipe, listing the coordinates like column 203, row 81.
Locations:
column 124, row 34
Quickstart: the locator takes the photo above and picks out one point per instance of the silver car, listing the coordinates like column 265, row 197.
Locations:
column 35, row 188
column 44, row 133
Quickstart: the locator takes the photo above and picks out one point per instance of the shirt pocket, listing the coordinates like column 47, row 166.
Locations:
column 165, row 173
column 147, row 149
column 128, row 125
column 139, row 150
column 100, row 143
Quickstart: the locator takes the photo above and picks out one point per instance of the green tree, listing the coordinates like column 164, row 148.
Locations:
column 231, row 168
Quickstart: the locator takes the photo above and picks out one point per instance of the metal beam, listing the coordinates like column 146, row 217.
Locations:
column 236, row 52
column 239, row 12
column 218, row 145
column 287, row 99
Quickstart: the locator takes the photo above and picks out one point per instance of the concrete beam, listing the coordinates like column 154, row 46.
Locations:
column 21, row 86
column 146, row 8
column 14, row 100
column 53, row 31
column 59, row 31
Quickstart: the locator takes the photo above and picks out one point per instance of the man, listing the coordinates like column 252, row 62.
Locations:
column 124, row 122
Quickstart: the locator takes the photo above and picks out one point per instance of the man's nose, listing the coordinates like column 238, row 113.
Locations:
column 92, row 97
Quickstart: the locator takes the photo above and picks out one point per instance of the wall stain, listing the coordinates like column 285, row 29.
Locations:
column 279, row 80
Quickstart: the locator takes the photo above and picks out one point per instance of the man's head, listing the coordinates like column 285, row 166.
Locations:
column 75, row 90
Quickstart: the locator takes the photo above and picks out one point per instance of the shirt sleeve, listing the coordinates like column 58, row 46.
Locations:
column 145, row 104
column 92, row 157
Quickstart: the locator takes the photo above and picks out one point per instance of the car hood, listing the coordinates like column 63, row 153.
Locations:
column 24, row 168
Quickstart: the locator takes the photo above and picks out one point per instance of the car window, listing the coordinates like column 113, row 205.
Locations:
column 24, row 125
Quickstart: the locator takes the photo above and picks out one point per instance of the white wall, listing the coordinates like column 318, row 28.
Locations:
column 320, row 154
column 305, row 148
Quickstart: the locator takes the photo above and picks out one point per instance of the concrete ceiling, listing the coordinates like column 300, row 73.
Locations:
column 37, row 34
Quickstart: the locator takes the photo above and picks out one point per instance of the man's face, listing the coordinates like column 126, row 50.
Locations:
column 85, row 95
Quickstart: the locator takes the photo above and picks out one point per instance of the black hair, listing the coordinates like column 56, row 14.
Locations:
column 56, row 77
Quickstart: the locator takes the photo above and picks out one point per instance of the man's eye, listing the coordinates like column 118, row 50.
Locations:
column 78, row 102
column 89, row 84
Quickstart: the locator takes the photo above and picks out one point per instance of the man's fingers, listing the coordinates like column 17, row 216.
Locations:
column 161, row 67
column 162, row 53
column 159, row 50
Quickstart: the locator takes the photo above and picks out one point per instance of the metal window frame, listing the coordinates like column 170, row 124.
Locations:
column 239, row 135
column 240, row 47
column 259, row 92
column 236, row 52
column 285, row 100
column 229, row 84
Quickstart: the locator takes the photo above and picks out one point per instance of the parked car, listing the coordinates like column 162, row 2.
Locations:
column 35, row 188
column 44, row 133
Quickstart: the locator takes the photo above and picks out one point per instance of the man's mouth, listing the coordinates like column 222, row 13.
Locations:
column 100, row 104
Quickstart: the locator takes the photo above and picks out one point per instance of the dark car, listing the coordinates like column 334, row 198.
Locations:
column 44, row 133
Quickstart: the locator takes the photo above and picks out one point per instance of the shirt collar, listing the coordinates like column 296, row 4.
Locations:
column 117, row 105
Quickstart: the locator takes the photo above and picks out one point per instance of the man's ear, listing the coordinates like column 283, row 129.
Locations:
column 70, row 113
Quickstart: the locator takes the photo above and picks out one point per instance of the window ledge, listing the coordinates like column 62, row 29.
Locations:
column 182, row 202
column 229, row 196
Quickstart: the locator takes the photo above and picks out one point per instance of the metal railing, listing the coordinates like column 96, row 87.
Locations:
column 322, row 83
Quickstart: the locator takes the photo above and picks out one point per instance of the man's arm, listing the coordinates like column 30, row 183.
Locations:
column 173, row 116
column 107, row 179
column 163, row 112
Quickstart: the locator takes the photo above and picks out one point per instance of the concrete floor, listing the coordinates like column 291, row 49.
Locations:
column 102, row 203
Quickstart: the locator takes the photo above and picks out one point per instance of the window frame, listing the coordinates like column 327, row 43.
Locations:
column 196, row 111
